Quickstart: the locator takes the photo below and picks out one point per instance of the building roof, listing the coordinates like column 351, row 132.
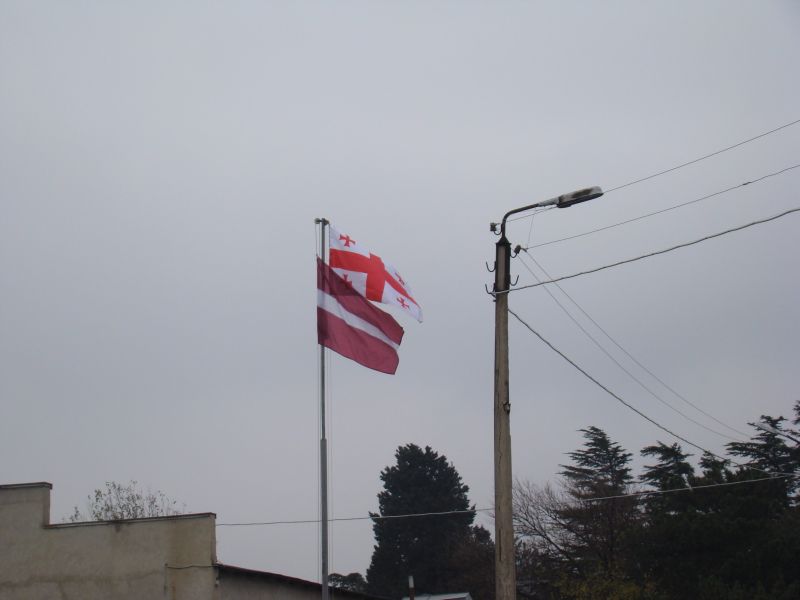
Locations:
column 179, row 517
column 453, row 596
column 276, row 577
column 35, row 484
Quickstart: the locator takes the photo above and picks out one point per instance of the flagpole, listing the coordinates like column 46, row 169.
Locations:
column 323, row 446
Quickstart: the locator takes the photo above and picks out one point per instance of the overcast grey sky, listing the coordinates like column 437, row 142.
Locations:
column 161, row 164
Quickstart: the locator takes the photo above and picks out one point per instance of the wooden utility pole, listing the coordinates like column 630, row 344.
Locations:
column 505, row 574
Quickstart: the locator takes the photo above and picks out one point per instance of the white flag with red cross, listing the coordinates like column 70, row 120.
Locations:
column 369, row 275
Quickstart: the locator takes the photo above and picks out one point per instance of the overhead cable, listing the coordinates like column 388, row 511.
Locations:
column 686, row 164
column 658, row 212
column 371, row 517
column 656, row 253
column 458, row 512
column 530, row 215
column 622, row 367
column 631, row 356
column 688, row 489
column 696, row 160
column 626, row 404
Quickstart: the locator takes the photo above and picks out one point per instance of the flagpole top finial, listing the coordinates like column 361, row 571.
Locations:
column 321, row 220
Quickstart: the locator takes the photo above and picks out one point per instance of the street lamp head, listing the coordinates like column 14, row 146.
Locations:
column 580, row 196
column 562, row 201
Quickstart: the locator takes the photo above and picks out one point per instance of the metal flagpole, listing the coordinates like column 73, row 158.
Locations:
column 323, row 446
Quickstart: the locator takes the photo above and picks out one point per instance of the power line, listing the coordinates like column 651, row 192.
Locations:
column 621, row 366
column 476, row 510
column 656, row 253
column 623, row 402
column 532, row 214
column 687, row 489
column 373, row 518
column 658, row 212
column 618, row 345
column 686, row 164
column 696, row 160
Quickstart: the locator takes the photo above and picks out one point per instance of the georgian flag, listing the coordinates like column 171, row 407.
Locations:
column 369, row 275
column 352, row 326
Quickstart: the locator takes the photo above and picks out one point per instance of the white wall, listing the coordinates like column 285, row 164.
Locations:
column 125, row 560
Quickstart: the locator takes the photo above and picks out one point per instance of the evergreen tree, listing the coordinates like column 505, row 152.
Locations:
column 601, row 469
column 352, row 582
column 716, row 533
column 422, row 481
column 736, row 541
column 574, row 540
column 769, row 453
column 714, row 469
column 473, row 561
column 671, row 471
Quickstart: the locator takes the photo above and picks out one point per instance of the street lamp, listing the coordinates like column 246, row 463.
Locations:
column 505, row 576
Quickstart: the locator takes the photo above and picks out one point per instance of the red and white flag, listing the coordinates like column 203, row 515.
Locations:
column 369, row 275
column 350, row 325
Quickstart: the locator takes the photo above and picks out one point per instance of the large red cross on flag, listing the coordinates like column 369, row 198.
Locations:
column 370, row 275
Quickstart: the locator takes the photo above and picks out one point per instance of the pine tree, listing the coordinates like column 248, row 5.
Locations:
column 768, row 452
column 600, row 469
column 352, row 582
column 575, row 540
column 734, row 541
column 672, row 471
column 422, row 481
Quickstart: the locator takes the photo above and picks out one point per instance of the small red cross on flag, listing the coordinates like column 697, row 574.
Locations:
column 370, row 275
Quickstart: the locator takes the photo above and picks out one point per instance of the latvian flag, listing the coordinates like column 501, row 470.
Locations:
column 350, row 325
